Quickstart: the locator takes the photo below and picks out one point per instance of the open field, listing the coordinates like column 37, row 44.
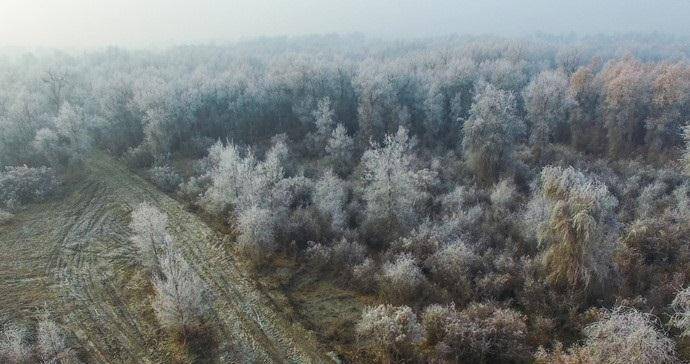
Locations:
column 73, row 256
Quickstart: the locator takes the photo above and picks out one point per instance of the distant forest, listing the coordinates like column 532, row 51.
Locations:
column 500, row 200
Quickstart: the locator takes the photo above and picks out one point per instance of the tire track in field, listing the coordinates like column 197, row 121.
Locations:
column 92, row 257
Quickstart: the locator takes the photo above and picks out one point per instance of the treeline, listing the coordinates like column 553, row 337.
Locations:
column 505, row 200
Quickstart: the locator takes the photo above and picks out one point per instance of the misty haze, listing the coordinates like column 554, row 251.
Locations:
column 344, row 181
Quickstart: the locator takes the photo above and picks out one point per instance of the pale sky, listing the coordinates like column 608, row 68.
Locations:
column 137, row 23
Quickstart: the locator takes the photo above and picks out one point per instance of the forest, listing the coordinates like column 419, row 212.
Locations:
column 483, row 199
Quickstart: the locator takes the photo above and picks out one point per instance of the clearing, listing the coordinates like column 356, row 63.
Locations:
column 72, row 255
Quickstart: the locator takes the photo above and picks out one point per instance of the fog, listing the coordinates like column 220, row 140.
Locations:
column 136, row 23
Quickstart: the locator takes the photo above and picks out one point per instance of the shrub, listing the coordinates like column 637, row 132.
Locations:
column 318, row 256
column 481, row 333
column 625, row 335
column 364, row 275
column 21, row 185
column 620, row 336
column 165, row 178
column 347, row 254
column 681, row 309
column 452, row 267
column 390, row 333
column 401, row 279
column 256, row 233
column 138, row 157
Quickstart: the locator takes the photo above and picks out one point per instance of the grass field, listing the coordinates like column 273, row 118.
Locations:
column 72, row 255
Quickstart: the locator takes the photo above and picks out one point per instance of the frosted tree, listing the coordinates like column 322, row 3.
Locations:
column 56, row 82
column 339, row 150
column 68, row 139
column 158, row 131
column 324, row 122
column 505, row 74
column 586, row 128
column 241, row 181
column 547, row 102
column 627, row 91
column 330, row 196
column 151, row 237
column 256, row 232
column 181, row 296
column 490, row 132
column 670, row 105
column 395, row 188
column 581, row 227
column 231, row 176
column 452, row 266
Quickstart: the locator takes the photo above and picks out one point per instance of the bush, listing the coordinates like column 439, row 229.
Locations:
column 480, row 333
column 21, row 185
column 341, row 258
column 165, row 178
column 318, row 256
column 364, row 275
column 401, row 280
column 452, row 267
column 621, row 336
column 256, row 234
column 139, row 157
column 681, row 309
column 390, row 333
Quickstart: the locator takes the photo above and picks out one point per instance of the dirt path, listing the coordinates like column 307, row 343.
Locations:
column 81, row 245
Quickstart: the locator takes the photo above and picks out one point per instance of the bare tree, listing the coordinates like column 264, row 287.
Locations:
column 56, row 81
column 150, row 235
column 181, row 296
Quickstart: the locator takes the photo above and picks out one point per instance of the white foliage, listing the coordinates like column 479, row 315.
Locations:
column 389, row 328
column 402, row 278
column 181, row 297
column 339, row 148
column 330, row 196
column 628, row 336
column 256, row 229
column 151, row 237
column 394, row 186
